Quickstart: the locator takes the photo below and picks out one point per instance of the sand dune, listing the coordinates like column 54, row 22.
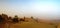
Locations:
column 31, row 25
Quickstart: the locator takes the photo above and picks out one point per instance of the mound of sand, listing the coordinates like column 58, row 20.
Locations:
column 31, row 25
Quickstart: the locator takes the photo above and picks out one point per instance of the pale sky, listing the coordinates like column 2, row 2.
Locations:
column 36, row 8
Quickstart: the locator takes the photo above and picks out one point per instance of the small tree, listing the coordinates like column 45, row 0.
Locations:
column 15, row 19
column 32, row 17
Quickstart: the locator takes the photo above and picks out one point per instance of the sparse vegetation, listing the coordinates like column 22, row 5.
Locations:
column 31, row 22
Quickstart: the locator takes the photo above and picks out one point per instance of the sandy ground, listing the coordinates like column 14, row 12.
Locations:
column 29, row 25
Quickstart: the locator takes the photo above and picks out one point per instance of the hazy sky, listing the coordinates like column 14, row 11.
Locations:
column 37, row 8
